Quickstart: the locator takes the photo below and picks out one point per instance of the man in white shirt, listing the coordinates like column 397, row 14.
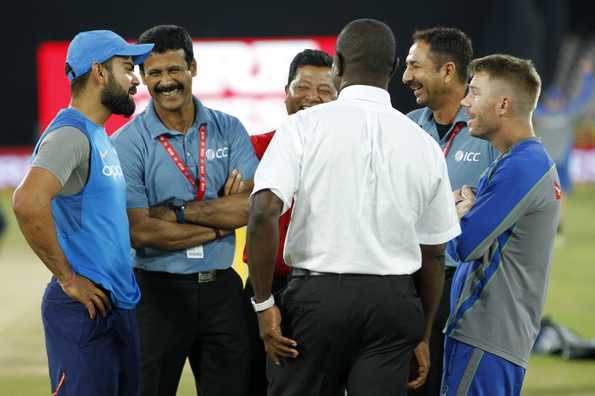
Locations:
column 373, row 204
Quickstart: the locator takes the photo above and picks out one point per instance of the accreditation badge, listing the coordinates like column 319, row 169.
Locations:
column 195, row 253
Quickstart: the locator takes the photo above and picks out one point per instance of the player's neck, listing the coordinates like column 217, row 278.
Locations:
column 178, row 120
column 448, row 106
column 91, row 108
column 512, row 133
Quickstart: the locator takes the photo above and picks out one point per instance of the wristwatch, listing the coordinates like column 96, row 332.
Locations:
column 178, row 206
column 263, row 306
column 180, row 214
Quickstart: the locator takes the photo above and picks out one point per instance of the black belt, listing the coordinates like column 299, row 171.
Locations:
column 301, row 272
column 198, row 277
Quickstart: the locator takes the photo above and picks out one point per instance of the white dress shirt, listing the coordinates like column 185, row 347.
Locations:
column 369, row 186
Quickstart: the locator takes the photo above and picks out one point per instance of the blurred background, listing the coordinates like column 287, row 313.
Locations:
column 243, row 50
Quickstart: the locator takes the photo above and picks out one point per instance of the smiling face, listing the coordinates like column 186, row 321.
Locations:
column 481, row 104
column 121, row 86
column 422, row 75
column 169, row 79
column 311, row 86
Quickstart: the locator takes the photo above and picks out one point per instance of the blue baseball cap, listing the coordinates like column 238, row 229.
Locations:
column 98, row 46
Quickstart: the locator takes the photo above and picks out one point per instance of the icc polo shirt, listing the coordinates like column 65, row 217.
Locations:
column 152, row 176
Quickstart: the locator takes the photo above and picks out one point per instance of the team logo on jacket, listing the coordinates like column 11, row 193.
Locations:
column 467, row 156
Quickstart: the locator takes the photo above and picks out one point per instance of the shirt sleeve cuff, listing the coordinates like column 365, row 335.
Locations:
column 286, row 202
column 439, row 238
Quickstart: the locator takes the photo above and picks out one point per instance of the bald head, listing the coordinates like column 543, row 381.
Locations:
column 366, row 49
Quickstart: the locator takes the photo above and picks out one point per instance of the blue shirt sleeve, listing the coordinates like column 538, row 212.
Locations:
column 501, row 200
column 132, row 161
column 241, row 152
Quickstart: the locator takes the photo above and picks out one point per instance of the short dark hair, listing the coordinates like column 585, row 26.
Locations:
column 78, row 84
column 308, row 57
column 168, row 37
column 368, row 47
column 520, row 74
column 448, row 45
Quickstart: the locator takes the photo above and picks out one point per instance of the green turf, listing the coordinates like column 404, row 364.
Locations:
column 571, row 300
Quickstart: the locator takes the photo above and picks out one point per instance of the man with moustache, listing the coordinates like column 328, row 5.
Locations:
column 356, row 170
column 71, row 208
column 508, row 230
column 176, row 157
column 437, row 73
column 309, row 84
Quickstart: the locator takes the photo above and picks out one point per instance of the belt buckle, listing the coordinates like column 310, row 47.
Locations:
column 205, row 277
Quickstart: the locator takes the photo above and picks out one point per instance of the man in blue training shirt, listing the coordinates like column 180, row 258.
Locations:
column 71, row 207
column 437, row 73
column 177, row 157
column 499, row 288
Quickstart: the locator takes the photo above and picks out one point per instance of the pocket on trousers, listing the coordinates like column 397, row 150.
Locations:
column 97, row 330
column 293, row 311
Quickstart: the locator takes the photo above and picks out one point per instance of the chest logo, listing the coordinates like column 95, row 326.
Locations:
column 557, row 191
column 221, row 152
column 114, row 171
column 467, row 156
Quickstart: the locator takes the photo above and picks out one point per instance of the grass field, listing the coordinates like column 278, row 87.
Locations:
column 571, row 302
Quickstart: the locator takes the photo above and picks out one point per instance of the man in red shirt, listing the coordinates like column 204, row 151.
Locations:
column 309, row 84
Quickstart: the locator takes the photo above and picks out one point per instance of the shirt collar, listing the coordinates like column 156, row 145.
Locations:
column 365, row 92
column 461, row 116
column 157, row 127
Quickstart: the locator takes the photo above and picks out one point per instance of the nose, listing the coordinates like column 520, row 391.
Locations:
column 465, row 101
column 407, row 76
column 135, row 81
column 312, row 97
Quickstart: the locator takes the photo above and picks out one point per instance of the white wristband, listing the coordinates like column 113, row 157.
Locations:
column 263, row 306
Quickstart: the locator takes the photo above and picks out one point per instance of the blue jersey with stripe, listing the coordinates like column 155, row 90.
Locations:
column 499, row 289
column 92, row 226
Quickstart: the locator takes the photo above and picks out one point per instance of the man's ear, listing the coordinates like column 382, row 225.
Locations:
column 339, row 64
column 504, row 105
column 98, row 73
column 194, row 68
column 450, row 71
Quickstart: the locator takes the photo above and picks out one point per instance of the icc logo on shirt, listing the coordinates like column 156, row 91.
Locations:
column 467, row 156
column 219, row 153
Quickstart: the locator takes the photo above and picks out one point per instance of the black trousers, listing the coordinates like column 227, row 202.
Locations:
column 179, row 318
column 432, row 385
column 354, row 333
column 258, row 380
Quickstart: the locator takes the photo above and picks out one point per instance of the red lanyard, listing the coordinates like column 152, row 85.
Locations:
column 453, row 135
column 202, row 172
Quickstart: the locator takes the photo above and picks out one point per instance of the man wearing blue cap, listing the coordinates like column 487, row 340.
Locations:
column 71, row 208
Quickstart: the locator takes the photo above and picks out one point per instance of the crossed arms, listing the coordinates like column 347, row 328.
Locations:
column 206, row 221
